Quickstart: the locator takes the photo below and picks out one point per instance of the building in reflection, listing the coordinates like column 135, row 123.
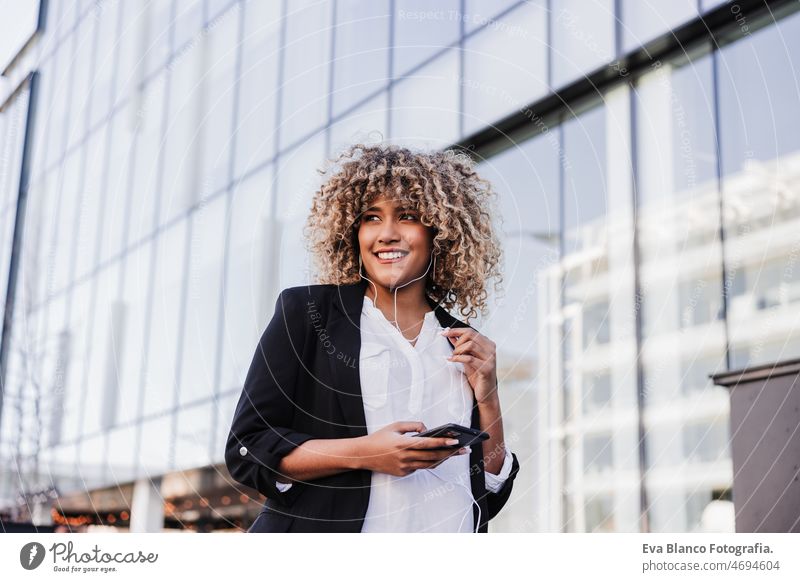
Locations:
column 646, row 162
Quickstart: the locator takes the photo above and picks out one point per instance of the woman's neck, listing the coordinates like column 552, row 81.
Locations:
column 410, row 301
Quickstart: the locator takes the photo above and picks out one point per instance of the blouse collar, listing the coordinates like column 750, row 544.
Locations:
column 371, row 310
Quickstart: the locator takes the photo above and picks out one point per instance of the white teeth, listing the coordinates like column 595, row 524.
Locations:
column 395, row 255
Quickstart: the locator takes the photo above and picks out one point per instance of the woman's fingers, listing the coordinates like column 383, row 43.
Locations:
column 464, row 359
column 408, row 426
column 457, row 336
column 431, row 442
column 466, row 347
column 473, row 348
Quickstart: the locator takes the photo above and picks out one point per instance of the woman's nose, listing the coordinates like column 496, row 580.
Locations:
column 388, row 231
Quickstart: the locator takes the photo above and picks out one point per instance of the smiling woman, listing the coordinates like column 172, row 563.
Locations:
column 352, row 369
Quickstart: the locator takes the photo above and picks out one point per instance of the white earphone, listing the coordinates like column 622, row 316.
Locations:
column 477, row 525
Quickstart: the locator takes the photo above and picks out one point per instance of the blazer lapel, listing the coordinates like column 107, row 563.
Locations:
column 445, row 319
column 344, row 327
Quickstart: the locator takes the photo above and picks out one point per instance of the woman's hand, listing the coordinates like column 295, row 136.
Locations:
column 388, row 450
column 478, row 354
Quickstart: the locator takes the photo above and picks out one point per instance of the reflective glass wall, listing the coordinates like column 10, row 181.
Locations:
column 647, row 229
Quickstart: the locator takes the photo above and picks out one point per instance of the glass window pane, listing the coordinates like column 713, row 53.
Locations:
column 90, row 202
column 107, row 14
column 79, row 337
column 705, row 442
column 192, row 439
column 583, row 38
column 155, row 447
column 297, row 181
column 63, row 239
column 600, row 513
column 643, row 20
column 188, row 23
column 217, row 87
column 361, row 57
column 482, row 13
column 425, row 106
column 526, row 179
column 215, row 8
column 157, row 34
column 81, row 99
column 147, row 183
column 585, row 194
column 59, row 114
column 16, row 30
column 120, row 460
column 200, row 335
column 131, row 65
column 91, row 462
column 183, row 139
column 423, row 29
column 244, row 297
column 112, row 231
column 57, row 343
column 134, row 318
column 759, row 144
column 365, row 124
column 258, row 85
column 679, row 217
column 225, row 407
column 164, row 337
column 100, row 377
column 306, row 66
column 505, row 65
column 598, row 454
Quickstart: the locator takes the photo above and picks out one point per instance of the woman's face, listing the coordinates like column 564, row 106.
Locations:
column 386, row 226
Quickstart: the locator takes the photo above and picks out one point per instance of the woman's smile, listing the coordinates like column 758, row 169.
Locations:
column 391, row 256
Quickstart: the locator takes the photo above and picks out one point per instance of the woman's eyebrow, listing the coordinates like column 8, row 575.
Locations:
column 401, row 209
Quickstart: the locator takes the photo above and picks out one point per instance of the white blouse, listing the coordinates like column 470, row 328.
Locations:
column 416, row 383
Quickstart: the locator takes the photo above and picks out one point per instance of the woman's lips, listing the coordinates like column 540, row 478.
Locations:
column 388, row 261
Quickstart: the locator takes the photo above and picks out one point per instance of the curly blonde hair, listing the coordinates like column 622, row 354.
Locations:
column 450, row 197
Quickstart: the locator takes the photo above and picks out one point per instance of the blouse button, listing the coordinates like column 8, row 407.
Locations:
column 243, row 451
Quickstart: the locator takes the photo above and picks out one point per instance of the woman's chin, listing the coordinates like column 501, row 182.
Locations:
column 392, row 279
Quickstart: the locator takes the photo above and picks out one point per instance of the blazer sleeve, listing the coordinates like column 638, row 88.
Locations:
column 496, row 501
column 261, row 432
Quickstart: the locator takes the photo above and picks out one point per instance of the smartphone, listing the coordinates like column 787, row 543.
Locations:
column 466, row 436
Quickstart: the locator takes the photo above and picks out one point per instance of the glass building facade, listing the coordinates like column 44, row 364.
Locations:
column 648, row 224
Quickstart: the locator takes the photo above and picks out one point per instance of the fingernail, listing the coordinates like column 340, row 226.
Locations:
column 452, row 441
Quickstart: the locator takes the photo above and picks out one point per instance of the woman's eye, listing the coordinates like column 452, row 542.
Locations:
column 402, row 216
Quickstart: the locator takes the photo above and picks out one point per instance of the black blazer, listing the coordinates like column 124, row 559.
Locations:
column 304, row 383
